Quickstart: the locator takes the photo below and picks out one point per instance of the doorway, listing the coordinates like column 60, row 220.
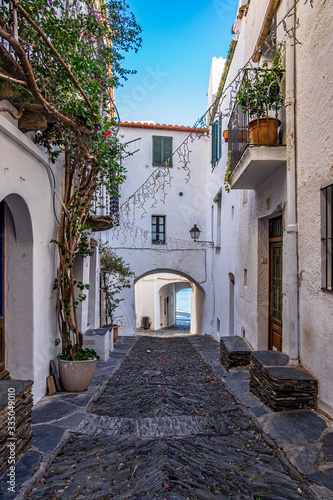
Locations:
column 275, row 283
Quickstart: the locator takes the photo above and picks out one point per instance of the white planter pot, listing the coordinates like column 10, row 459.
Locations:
column 75, row 376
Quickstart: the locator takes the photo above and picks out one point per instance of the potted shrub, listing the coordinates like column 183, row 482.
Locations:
column 76, row 374
column 115, row 276
column 260, row 94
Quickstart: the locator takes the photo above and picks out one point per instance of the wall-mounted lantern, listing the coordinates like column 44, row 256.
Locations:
column 195, row 232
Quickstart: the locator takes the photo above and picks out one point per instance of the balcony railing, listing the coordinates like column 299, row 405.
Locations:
column 13, row 12
column 104, row 213
column 244, row 131
column 254, row 119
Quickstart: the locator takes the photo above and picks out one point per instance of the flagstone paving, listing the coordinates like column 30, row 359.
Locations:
column 166, row 427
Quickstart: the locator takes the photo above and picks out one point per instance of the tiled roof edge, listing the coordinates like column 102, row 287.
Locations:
column 157, row 126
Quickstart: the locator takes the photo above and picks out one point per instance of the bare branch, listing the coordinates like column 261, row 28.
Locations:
column 13, row 80
column 21, row 110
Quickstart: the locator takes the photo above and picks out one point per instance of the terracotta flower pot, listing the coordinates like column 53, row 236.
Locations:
column 264, row 130
column 75, row 376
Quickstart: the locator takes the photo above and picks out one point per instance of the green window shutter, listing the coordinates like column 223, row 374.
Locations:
column 167, row 153
column 157, row 151
column 214, row 142
column 162, row 150
column 220, row 137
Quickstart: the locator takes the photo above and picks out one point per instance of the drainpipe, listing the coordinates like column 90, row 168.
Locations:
column 291, row 325
column 271, row 9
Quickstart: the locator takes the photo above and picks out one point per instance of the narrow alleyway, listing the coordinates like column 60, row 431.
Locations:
column 166, row 427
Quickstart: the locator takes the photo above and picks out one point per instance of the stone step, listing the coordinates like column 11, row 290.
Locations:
column 234, row 351
column 279, row 385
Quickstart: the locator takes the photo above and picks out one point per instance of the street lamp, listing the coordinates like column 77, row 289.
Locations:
column 195, row 232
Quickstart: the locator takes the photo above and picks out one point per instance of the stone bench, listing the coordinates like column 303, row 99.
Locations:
column 234, row 351
column 279, row 385
column 15, row 408
column 100, row 340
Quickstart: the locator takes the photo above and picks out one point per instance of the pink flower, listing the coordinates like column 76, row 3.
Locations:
column 108, row 133
column 51, row 3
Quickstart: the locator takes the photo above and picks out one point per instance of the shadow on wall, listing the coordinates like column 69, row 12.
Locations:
column 18, row 299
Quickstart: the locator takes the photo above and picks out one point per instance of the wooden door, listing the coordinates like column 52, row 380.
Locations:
column 275, row 286
column 2, row 289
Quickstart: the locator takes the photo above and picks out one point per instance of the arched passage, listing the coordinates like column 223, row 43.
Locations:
column 155, row 298
column 17, row 287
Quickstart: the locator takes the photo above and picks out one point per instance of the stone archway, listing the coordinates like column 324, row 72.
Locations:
column 18, row 285
column 157, row 300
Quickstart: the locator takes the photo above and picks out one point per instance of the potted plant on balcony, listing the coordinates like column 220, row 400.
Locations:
column 115, row 276
column 260, row 94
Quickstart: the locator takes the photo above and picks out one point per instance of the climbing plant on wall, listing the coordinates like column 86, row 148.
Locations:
column 63, row 60
column 115, row 276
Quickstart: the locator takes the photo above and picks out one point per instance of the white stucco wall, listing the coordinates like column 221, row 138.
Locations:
column 245, row 214
column 30, row 186
column 182, row 206
column 314, row 171
column 31, row 322
column 216, row 70
column 242, row 308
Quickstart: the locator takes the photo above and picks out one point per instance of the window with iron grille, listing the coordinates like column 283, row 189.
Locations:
column 327, row 238
column 162, row 151
column 158, row 229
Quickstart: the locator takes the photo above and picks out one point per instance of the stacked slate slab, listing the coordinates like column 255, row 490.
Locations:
column 279, row 385
column 17, row 430
column 234, row 351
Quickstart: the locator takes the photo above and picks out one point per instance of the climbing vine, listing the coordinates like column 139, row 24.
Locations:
column 66, row 60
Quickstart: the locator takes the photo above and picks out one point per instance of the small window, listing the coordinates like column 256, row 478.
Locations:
column 162, row 151
column 158, row 229
column 327, row 237
column 216, row 140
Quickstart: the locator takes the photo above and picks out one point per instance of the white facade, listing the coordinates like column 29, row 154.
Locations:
column 26, row 190
column 314, row 153
column 291, row 186
column 179, row 198
column 30, row 188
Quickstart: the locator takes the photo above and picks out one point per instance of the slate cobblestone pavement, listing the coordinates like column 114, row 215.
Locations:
column 165, row 379
column 163, row 419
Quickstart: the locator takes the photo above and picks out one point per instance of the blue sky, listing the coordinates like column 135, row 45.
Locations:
column 179, row 40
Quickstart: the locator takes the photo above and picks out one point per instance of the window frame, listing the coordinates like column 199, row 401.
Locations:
column 163, row 156
column 157, row 232
column 326, row 211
